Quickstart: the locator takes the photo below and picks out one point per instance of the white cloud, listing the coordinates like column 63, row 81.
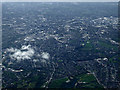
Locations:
column 43, row 61
column 25, row 47
column 12, row 50
column 45, row 55
column 26, row 52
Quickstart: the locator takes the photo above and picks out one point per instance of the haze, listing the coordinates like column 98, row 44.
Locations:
column 59, row 0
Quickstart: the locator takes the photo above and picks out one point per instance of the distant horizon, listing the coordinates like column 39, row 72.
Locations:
column 59, row 1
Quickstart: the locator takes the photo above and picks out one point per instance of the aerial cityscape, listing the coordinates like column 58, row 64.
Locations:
column 60, row 45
